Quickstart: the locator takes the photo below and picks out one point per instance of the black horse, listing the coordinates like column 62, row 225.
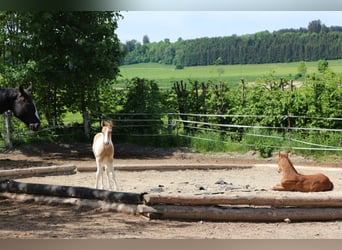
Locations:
column 22, row 105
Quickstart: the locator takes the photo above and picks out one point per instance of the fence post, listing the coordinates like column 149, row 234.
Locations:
column 86, row 124
column 7, row 117
column 291, row 85
column 243, row 92
column 289, row 128
column 169, row 124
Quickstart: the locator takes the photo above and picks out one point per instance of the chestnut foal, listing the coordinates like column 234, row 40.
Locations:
column 294, row 181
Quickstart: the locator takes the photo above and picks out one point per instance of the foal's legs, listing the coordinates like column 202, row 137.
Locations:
column 114, row 178
column 111, row 176
column 99, row 174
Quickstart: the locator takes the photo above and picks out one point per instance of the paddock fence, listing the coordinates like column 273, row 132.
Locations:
column 175, row 129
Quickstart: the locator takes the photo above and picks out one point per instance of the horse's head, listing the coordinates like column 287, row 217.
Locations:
column 107, row 131
column 25, row 109
column 281, row 156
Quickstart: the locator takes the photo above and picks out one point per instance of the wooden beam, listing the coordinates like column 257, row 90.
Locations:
column 38, row 170
column 221, row 213
column 69, row 191
column 52, row 200
column 275, row 199
column 167, row 167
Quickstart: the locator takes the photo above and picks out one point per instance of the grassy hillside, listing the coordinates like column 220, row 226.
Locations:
column 164, row 75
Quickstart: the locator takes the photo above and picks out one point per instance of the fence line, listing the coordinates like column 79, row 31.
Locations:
column 288, row 130
column 256, row 127
column 257, row 116
column 172, row 124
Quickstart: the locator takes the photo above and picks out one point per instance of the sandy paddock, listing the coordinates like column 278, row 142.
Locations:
column 31, row 220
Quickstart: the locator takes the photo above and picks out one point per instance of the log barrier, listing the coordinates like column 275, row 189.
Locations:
column 11, row 186
column 90, row 203
column 261, row 206
column 68, row 168
column 168, row 167
column 222, row 213
column 262, row 198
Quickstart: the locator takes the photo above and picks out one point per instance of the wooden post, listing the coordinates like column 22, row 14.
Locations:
column 169, row 124
column 243, row 92
column 291, row 85
column 86, row 124
column 282, row 87
column 7, row 117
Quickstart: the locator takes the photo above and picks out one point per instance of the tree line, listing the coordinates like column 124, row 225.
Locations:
column 315, row 42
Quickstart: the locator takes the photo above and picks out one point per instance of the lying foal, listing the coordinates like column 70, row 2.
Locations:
column 294, row 181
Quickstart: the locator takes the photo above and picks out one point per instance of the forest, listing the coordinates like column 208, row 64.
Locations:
column 313, row 43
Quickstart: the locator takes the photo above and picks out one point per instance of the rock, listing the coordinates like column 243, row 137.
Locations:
column 199, row 187
column 156, row 190
column 221, row 182
column 287, row 220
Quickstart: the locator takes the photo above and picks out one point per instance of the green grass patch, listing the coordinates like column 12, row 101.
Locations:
column 165, row 75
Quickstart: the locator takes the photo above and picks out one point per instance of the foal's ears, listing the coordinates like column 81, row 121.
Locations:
column 283, row 154
column 106, row 123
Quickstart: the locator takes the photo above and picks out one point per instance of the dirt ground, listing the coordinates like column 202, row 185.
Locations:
column 32, row 220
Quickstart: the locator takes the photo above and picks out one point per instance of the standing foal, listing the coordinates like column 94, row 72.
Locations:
column 103, row 150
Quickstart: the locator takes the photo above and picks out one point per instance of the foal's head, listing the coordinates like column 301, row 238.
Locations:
column 107, row 131
column 284, row 162
column 25, row 109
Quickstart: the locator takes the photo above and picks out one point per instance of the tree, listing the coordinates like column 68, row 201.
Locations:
column 144, row 100
column 315, row 26
column 323, row 65
column 146, row 40
column 15, row 69
column 219, row 70
column 67, row 55
column 302, row 68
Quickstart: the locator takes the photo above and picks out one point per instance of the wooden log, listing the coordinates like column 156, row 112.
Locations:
column 276, row 199
column 38, row 170
column 218, row 213
column 50, row 200
column 167, row 167
column 69, row 191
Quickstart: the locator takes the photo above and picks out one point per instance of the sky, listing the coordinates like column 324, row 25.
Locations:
column 158, row 25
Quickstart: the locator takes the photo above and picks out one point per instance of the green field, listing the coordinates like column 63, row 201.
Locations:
column 165, row 75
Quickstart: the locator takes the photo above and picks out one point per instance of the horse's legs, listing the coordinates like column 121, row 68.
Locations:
column 113, row 177
column 278, row 187
column 108, row 177
column 98, row 174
